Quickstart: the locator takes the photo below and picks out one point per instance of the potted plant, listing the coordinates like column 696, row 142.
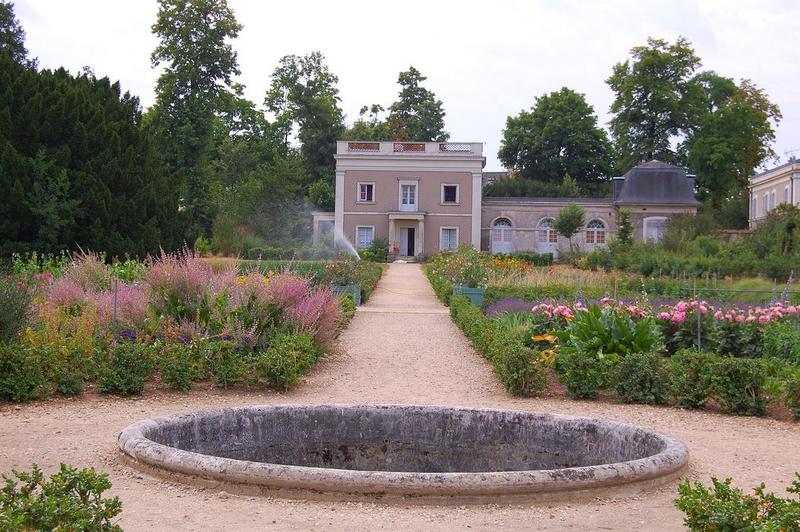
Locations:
column 468, row 274
column 342, row 275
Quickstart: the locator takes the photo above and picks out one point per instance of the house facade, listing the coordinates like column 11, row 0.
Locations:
column 425, row 197
column 773, row 187
column 421, row 197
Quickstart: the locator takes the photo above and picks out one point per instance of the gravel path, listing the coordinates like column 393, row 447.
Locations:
column 401, row 348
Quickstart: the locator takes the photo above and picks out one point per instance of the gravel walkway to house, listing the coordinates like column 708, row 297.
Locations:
column 400, row 348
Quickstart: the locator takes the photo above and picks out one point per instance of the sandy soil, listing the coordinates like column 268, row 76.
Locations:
column 401, row 348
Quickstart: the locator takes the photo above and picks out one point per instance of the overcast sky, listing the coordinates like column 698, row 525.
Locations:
column 484, row 60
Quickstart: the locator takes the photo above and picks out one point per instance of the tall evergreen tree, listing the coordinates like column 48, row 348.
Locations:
column 12, row 36
column 195, row 87
column 417, row 115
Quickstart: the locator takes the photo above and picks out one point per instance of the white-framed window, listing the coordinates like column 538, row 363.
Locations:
column 786, row 198
column 408, row 196
column 654, row 227
column 366, row 193
column 765, row 206
column 502, row 236
column 365, row 234
column 450, row 193
column 596, row 232
column 753, row 206
column 448, row 238
column 547, row 234
column 772, row 200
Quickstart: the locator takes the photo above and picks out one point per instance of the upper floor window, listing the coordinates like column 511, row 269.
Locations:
column 753, row 206
column 366, row 192
column 449, row 193
column 408, row 196
column 596, row 232
column 786, row 198
column 772, row 200
column 765, row 206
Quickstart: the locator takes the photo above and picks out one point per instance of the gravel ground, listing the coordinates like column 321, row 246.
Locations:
column 401, row 348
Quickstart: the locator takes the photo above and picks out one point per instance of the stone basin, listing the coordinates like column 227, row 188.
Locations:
column 405, row 451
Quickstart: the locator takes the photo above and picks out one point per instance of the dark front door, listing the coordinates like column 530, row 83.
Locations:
column 411, row 241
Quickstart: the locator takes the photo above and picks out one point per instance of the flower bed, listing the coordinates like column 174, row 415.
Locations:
column 179, row 318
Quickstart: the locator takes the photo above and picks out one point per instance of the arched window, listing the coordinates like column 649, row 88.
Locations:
column 596, row 232
column 547, row 235
column 502, row 236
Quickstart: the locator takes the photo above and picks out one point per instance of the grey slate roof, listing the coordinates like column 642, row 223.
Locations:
column 656, row 183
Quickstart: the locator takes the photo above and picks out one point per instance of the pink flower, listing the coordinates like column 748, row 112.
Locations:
column 792, row 310
column 763, row 319
column 740, row 318
column 663, row 315
column 679, row 317
column 718, row 315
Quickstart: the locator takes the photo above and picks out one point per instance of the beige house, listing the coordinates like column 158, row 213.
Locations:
column 773, row 187
column 424, row 197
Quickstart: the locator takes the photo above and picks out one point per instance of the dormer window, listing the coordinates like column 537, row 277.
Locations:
column 366, row 192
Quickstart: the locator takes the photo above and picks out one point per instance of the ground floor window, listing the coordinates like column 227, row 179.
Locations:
column 654, row 228
column 547, row 234
column 448, row 238
column 365, row 234
column 596, row 232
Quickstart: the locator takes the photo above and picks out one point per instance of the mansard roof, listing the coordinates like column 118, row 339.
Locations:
column 656, row 183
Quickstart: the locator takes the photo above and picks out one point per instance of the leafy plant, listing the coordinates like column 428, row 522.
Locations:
column 738, row 384
column 281, row 366
column 724, row 507
column 21, row 374
column 690, row 381
column 129, row 366
column 584, row 375
column 791, row 394
column 643, row 378
column 176, row 365
column 227, row 365
column 16, row 301
column 68, row 500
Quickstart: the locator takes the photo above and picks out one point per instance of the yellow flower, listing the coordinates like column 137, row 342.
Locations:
column 549, row 338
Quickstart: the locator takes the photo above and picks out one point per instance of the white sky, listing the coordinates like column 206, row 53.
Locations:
column 484, row 60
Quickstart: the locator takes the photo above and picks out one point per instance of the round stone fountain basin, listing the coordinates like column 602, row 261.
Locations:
column 413, row 451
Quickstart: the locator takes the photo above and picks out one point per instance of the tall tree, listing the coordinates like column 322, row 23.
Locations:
column 730, row 140
column 569, row 221
column 12, row 36
column 369, row 126
column 304, row 98
column 417, row 115
column 77, row 167
column 558, row 137
column 653, row 97
column 199, row 65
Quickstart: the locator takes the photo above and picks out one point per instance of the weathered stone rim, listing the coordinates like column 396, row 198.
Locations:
column 135, row 444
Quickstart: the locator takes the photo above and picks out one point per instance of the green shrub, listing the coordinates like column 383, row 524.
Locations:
column 348, row 270
column 514, row 363
column 516, row 366
column 791, row 394
column 738, row 385
column 534, row 259
column 724, row 507
column 600, row 259
column 643, row 378
column 176, row 366
column 585, row 375
column 281, row 366
column 378, row 251
column 690, row 379
column 348, row 307
column 15, row 309
column 129, row 367
column 782, row 340
column 441, row 286
column 21, row 374
column 68, row 500
column 66, row 368
column 228, row 367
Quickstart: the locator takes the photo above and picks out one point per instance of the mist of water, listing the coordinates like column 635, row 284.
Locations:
column 342, row 242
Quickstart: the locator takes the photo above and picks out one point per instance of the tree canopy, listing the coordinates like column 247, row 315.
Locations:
column 12, row 36
column 653, row 100
column 194, row 89
column 559, row 136
column 417, row 115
